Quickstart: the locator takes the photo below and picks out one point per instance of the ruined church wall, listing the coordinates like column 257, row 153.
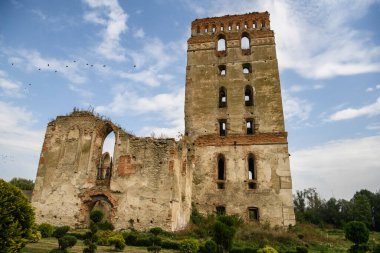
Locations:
column 149, row 184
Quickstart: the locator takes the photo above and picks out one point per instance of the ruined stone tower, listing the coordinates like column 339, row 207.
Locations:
column 234, row 116
column 232, row 159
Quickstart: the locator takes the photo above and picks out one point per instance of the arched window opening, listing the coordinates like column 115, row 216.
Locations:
column 247, row 68
column 253, row 213
column 229, row 27
column 221, row 44
column 206, row 29
column 106, row 159
column 248, row 95
column 245, row 41
column 222, row 127
column 254, row 25
column 222, row 27
column 245, row 25
column 250, row 126
column 213, row 28
column 263, row 24
column 198, row 29
column 222, row 70
column 237, row 26
column 222, row 97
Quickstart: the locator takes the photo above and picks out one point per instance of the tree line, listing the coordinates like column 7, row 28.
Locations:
column 364, row 206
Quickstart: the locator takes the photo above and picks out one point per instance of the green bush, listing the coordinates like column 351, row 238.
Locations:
column 22, row 183
column 168, row 244
column 60, row 231
column 156, row 231
column 249, row 250
column 154, row 249
column 117, row 241
column 267, row 249
column 235, row 250
column 130, row 238
column 46, row 230
column 79, row 236
column 189, row 246
column 357, row 232
column 359, row 248
column 16, row 218
column 105, row 226
column 35, row 236
column 66, row 241
column 210, row 247
column 302, row 249
column 376, row 249
column 96, row 216
column 223, row 234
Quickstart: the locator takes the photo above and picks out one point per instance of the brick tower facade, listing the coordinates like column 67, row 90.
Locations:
column 234, row 118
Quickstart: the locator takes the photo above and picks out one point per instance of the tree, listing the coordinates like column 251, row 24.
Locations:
column 22, row 183
column 16, row 218
column 224, row 231
column 361, row 209
column 357, row 232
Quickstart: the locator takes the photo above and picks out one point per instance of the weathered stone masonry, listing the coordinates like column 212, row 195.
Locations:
column 233, row 157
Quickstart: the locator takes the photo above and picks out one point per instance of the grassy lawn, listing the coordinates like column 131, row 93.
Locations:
column 47, row 244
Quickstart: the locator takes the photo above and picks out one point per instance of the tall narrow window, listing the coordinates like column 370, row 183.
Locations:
column 263, row 24
column 222, row 127
column 221, row 168
column 222, row 97
column 222, row 27
column 250, row 126
column 229, row 27
column 253, row 213
column 248, row 95
column 221, row 44
column 206, row 29
column 245, row 25
column 247, row 68
column 213, row 28
column 198, row 29
column 105, row 164
column 251, row 167
column 245, row 41
column 220, row 210
column 222, row 70
column 254, row 25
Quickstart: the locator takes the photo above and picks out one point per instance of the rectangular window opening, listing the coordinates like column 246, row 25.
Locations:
column 253, row 213
column 222, row 70
column 220, row 210
column 249, row 124
column 222, row 128
column 252, row 185
column 220, row 185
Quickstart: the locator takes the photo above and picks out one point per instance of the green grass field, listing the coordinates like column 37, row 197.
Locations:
column 47, row 244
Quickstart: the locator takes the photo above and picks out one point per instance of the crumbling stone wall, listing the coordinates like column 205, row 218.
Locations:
column 147, row 188
column 220, row 165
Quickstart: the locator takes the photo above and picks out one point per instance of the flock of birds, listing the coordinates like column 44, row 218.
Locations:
column 66, row 66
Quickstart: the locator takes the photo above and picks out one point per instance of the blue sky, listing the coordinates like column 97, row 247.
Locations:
column 126, row 59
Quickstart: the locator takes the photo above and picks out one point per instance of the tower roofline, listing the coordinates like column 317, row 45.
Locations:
column 252, row 16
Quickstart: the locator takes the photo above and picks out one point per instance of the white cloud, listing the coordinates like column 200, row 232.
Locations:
column 339, row 167
column 370, row 89
column 350, row 113
column 139, row 33
column 167, row 107
column 109, row 14
column 317, row 39
column 295, row 109
column 375, row 126
column 20, row 144
column 9, row 87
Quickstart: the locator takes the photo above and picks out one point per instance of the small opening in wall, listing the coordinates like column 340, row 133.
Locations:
column 220, row 210
column 247, row 68
column 245, row 25
column 245, row 44
column 221, row 44
column 222, row 127
column 222, row 70
column 221, row 168
column 253, row 213
column 251, row 185
column 222, row 27
column 248, row 95
column 238, row 26
column 254, row 25
column 251, row 167
column 220, row 185
column 222, row 97
column 198, row 29
column 213, row 29
column 229, row 27
column 250, row 126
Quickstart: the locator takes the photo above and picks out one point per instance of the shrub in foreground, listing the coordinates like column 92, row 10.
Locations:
column 189, row 246
column 154, row 249
column 267, row 249
column 46, row 230
column 16, row 218
column 357, row 232
column 117, row 241
column 168, row 244
column 209, row 247
column 66, row 241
